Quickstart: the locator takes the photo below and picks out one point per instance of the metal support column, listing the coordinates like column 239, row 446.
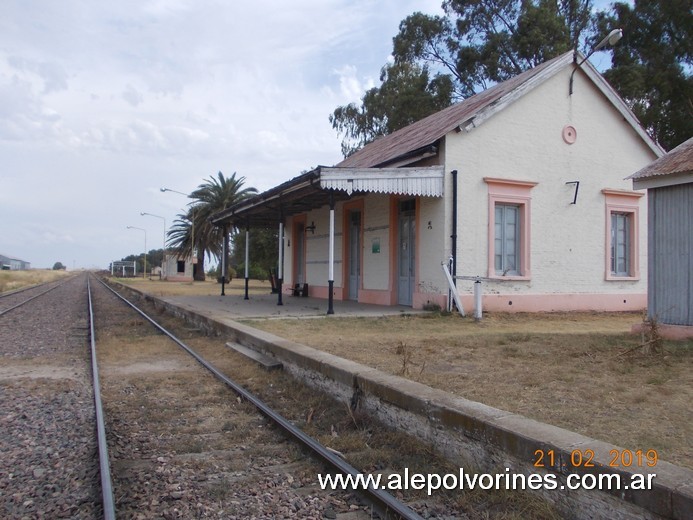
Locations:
column 224, row 258
column 330, row 278
column 247, row 258
column 280, row 267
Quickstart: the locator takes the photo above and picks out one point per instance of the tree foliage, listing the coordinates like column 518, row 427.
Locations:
column 263, row 252
column 441, row 59
column 192, row 232
column 407, row 93
column 477, row 43
column 652, row 65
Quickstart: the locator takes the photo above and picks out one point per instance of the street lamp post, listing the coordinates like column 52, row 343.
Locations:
column 163, row 251
column 145, row 248
column 610, row 39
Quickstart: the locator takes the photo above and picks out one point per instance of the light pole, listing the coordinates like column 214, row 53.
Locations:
column 145, row 248
column 610, row 39
column 192, row 222
column 163, row 251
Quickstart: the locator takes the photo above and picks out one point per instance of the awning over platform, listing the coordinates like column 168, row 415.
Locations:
column 423, row 182
column 312, row 190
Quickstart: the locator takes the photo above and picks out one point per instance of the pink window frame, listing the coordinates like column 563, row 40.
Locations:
column 628, row 202
column 509, row 191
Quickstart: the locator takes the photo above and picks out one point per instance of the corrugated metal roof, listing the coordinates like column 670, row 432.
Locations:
column 678, row 160
column 429, row 130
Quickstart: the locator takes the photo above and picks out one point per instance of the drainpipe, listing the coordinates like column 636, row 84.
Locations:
column 453, row 254
column 280, row 267
column 330, row 277
column 247, row 257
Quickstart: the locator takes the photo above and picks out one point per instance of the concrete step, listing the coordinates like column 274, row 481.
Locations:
column 266, row 362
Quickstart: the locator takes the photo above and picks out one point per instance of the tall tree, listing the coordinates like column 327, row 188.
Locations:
column 213, row 195
column 652, row 65
column 407, row 93
column 441, row 59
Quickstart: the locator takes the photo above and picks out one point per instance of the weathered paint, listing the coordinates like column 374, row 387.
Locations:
column 670, row 297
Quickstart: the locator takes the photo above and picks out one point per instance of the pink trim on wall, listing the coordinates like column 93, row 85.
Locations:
column 376, row 297
column 557, row 302
column 673, row 332
column 322, row 291
column 422, row 300
column 515, row 192
column 621, row 201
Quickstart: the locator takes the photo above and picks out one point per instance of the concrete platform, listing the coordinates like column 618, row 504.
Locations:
column 476, row 435
column 264, row 306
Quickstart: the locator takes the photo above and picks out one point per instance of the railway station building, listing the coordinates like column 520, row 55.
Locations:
column 521, row 187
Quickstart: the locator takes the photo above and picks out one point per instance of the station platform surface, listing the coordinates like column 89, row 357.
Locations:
column 265, row 306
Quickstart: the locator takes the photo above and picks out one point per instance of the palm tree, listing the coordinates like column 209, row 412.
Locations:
column 210, row 197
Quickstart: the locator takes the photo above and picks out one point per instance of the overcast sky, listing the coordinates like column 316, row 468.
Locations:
column 103, row 103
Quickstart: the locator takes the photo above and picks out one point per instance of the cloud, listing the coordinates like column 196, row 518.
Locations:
column 103, row 103
column 132, row 96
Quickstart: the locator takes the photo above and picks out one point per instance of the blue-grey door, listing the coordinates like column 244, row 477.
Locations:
column 299, row 253
column 406, row 258
column 354, row 254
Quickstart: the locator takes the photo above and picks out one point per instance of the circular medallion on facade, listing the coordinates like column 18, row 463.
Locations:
column 569, row 134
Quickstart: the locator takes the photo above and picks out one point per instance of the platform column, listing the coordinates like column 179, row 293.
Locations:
column 247, row 258
column 330, row 278
column 280, row 267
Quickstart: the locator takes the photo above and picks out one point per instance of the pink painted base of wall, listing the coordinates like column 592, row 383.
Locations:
column 505, row 302
column 557, row 302
column 323, row 292
column 672, row 332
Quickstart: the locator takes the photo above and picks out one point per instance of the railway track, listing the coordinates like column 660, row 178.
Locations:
column 15, row 299
column 184, row 440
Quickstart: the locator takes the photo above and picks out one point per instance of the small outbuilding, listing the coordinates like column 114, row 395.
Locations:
column 177, row 268
column 669, row 184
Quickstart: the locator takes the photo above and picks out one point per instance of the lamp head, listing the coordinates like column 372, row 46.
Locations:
column 163, row 189
column 611, row 39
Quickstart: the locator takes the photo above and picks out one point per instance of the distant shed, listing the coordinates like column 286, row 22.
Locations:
column 13, row 264
column 178, row 268
column 669, row 184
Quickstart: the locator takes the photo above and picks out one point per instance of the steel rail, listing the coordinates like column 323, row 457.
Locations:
column 104, row 466
column 33, row 297
column 385, row 504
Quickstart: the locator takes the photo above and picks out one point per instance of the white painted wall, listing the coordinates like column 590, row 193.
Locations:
column 524, row 142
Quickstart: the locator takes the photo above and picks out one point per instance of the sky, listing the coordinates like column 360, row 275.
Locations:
column 104, row 103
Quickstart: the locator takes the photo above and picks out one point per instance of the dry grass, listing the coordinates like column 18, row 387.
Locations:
column 566, row 369
column 12, row 280
column 157, row 287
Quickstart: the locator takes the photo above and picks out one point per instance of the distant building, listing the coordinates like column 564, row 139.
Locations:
column 669, row 184
column 8, row 263
column 177, row 268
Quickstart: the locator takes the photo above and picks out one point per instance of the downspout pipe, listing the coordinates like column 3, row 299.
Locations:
column 247, row 257
column 453, row 253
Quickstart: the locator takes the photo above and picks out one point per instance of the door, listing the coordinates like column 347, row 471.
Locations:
column 354, row 254
column 406, row 259
column 299, row 253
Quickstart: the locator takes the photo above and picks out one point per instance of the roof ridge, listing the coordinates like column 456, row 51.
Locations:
column 428, row 130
